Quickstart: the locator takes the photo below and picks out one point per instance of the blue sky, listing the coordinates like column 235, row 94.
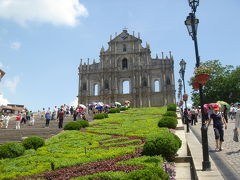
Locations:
column 42, row 41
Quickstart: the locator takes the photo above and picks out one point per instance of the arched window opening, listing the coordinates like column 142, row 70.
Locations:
column 124, row 48
column 144, row 83
column 168, row 81
column 124, row 64
column 156, row 86
column 126, row 88
column 84, row 87
column 106, row 85
column 95, row 89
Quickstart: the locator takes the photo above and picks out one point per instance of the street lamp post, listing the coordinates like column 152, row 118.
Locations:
column 192, row 22
column 180, row 89
column 182, row 74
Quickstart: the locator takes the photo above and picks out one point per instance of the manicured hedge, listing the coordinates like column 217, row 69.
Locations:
column 168, row 121
column 105, row 115
column 171, row 113
column 165, row 144
column 114, row 110
column 72, row 126
column 98, row 116
column 33, row 142
column 83, row 123
column 123, row 108
column 11, row 150
column 172, row 107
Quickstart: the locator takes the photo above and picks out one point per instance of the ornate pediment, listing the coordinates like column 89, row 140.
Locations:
column 123, row 37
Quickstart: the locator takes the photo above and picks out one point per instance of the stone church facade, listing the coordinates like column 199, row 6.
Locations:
column 127, row 71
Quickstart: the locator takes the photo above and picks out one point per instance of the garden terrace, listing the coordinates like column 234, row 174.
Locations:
column 100, row 150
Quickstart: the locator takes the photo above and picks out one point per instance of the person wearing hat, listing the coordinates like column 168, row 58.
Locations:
column 218, row 121
column 237, row 120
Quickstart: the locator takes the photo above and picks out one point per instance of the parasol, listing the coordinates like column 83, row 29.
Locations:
column 127, row 102
column 82, row 106
column 222, row 103
column 117, row 103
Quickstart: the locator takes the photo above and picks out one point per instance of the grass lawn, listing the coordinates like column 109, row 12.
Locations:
column 108, row 138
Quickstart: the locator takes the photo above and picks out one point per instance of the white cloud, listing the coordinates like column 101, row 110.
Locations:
column 74, row 103
column 11, row 84
column 16, row 45
column 3, row 101
column 57, row 12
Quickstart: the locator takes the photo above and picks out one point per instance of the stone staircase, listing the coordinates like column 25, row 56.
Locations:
column 11, row 134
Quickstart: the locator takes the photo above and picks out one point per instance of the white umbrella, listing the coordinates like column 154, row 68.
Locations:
column 82, row 106
column 189, row 106
column 94, row 103
column 117, row 103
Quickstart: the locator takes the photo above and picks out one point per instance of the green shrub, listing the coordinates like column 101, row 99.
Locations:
column 83, row 123
column 123, row 108
column 33, row 142
column 11, row 150
column 172, row 107
column 72, row 126
column 165, row 144
column 168, row 121
column 98, row 116
column 105, row 115
column 150, row 173
column 114, row 110
column 171, row 113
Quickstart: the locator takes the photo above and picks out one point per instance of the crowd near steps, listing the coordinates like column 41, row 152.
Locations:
column 11, row 134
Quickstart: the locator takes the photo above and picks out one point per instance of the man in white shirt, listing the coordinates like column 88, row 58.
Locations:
column 232, row 112
column 237, row 120
column 6, row 120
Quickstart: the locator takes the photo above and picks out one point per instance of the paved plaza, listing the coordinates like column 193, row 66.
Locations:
column 228, row 160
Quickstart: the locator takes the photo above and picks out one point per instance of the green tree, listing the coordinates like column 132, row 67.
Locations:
column 223, row 84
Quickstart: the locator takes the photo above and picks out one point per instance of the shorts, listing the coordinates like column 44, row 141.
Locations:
column 219, row 133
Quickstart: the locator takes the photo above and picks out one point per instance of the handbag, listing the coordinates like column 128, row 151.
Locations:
column 235, row 135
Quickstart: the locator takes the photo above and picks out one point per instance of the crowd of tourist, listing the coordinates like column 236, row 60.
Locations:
column 79, row 112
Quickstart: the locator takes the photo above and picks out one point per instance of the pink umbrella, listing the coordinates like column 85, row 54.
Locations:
column 213, row 104
column 205, row 106
column 127, row 102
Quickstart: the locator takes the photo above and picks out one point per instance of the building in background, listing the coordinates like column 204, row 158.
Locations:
column 127, row 71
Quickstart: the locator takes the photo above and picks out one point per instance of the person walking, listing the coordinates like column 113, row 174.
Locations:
column 218, row 121
column 232, row 112
column 1, row 120
column 60, row 117
column 48, row 117
column 18, row 120
column 237, row 120
column 6, row 120
column 71, row 110
column 75, row 113
column 23, row 117
column 193, row 116
column 225, row 113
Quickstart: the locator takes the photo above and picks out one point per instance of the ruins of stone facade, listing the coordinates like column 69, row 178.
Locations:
column 127, row 71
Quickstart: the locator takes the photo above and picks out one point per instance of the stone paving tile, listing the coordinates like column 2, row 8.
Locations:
column 231, row 152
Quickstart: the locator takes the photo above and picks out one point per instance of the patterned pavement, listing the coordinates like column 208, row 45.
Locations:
column 228, row 160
